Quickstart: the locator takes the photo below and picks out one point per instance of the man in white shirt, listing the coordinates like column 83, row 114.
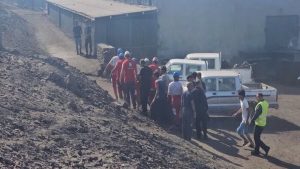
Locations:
column 175, row 92
column 242, row 130
column 112, row 63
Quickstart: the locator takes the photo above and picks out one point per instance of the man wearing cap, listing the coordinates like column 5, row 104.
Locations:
column 113, row 61
column 175, row 91
column 128, row 76
column 117, row 73
column 260, row 120
column 164, row 77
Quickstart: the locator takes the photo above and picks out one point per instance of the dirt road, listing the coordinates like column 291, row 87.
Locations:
column 282, row 133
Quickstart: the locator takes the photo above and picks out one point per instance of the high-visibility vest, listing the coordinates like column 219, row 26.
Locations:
column 262, row 119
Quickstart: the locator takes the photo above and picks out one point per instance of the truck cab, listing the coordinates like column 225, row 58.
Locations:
column 213, row 60
column 184, row 67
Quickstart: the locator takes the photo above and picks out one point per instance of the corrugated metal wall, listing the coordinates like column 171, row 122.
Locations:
column 135, row 32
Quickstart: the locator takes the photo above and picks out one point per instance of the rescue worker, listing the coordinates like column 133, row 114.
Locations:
column 116, row 72
column 77, row 31
column 200, row 106
column 242, row 130
column 88, row 39
column 145, row 77
column 114, row 78
column 154, row 66
column 175, row 91
column 187, row 112
column 128, row 76
column 113, row 61
column 260, row 120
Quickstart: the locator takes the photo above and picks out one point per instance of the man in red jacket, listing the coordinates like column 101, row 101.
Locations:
column 116, row 75
column 129, row 77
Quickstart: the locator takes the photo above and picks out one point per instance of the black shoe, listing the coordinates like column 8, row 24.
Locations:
column 254, row 153
column 199, row 136
column 267, row 151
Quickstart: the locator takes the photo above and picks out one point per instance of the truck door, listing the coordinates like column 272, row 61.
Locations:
column 227, row 94
column 211, row 94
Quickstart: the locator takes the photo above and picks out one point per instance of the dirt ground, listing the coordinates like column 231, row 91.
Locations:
column 282, row 133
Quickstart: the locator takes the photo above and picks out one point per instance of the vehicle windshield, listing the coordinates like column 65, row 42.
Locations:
column 192, row 68
column 175, row 68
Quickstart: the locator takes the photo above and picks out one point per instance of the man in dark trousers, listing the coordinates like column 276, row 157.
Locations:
column 129, row 77
column 77, row 31
column 88, row 39
column 145, row 77
column 200, row 106
column 187, row 112
column 260, row 120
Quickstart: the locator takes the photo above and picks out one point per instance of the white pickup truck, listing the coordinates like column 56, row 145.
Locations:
column 214, row 61
column 222, row 92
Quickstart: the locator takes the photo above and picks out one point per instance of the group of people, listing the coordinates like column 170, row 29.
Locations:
column 145, row 84
column 77, row 33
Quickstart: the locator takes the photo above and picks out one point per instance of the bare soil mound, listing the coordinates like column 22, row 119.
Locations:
column 53, row 116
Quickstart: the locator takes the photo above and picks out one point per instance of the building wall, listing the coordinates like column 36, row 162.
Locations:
column 53, row 14
column 228, row 26
column 66, row 23
column 138, row 33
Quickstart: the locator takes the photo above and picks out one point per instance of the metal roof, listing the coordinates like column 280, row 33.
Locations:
column 186, row 61
column 219, row 73
column 99, row 8
column 205, row 55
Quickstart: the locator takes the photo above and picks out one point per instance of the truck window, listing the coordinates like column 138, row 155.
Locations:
column 210, row 63
column 227, row 84
column 192, row 68
column 175, row 68
column 211, row 84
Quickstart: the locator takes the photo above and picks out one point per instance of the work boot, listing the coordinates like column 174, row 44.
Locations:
column 267, row 151
column 254, row 153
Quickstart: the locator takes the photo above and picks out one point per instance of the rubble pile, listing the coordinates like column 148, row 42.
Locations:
column 53, row 116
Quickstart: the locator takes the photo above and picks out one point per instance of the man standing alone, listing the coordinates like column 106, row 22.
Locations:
column 260, row 120
column 77, row 31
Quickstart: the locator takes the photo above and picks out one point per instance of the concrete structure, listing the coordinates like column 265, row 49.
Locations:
column 132, row 27
column 227, row 26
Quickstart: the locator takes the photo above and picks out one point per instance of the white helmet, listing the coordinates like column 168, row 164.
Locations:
column 155, row 59
column 146, row 60
column 127, row 53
